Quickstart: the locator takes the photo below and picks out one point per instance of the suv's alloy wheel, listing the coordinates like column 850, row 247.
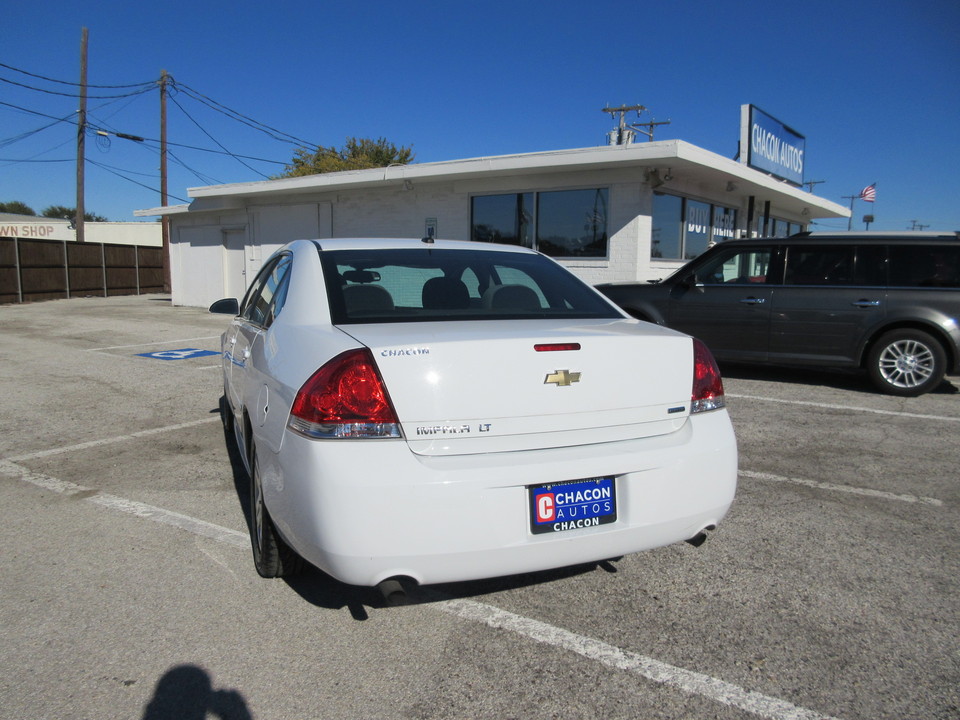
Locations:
column 907, row 362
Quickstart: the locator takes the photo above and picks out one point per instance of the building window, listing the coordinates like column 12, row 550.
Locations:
column 562, row 223
column 724, row 223
column 696, row 236
column 781, row 228
column 503, row 219
column 683, row 228
column 667, row 230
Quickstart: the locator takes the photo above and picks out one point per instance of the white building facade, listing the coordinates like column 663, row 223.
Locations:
column 30, row 227
column 616, row 213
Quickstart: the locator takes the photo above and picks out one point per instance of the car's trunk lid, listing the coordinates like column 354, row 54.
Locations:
column 494, row 386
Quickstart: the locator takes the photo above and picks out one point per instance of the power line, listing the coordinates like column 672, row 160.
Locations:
column 114, row 172
column 219, row 144
column 240, row 117
column 66, row 82
column 75, row 94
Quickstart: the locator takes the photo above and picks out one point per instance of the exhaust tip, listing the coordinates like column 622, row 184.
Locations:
column 701, row 537
column 394, row 592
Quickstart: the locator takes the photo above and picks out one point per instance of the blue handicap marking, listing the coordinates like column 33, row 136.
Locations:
column 183, row 354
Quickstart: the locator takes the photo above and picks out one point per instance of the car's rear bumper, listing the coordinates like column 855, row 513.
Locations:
column 368, row 510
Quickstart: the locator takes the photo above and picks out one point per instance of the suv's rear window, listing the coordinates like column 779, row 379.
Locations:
column 925, row 266
column 406, row 285
column 837, row 265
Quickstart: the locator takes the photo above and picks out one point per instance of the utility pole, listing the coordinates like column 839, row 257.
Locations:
column 811, row 183
column 81, row 136
column 164, row 221
column 624, row 133
column 917, row 226
column 851, row 198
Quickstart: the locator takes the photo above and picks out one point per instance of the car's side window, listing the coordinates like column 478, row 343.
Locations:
column 277, row 285
column 925, row 266
column 268, row 291
column 836, row 265
column 745, row 266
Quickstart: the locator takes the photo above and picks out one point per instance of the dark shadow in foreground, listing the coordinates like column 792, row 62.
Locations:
column 186, row 693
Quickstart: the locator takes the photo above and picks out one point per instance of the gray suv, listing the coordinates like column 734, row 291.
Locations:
column 888, row 303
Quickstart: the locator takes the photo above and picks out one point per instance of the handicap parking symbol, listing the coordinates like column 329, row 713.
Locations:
column 184, row 354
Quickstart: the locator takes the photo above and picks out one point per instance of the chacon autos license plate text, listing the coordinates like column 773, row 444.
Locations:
column 572, row 504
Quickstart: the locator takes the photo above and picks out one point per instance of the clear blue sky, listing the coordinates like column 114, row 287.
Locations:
column 874, row 87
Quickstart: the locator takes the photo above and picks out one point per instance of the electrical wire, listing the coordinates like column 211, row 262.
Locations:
column 219, row 144
column 114, row 172
column 65, row 82
column 240, row 117
column 75, row 95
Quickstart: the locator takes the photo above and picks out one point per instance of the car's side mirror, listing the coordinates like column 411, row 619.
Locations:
column 227, row 306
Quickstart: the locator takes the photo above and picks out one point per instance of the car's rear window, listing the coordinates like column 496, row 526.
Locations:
column 930, row 266
column 431, row 284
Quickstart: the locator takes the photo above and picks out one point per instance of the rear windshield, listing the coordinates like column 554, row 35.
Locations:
column 429, row 284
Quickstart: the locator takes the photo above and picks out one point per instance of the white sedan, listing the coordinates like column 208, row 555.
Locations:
column 441, row 411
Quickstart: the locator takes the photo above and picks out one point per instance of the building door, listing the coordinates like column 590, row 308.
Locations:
column 234, row 263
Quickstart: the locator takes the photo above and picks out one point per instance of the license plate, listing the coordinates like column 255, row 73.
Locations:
column 572, row 505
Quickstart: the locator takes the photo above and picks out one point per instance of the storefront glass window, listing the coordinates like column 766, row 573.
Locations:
column 697, row 233
column 724, row 223
column 683, row 228
column 572, row 223
column 667, row 229
column 565, row 223
column 498, row 218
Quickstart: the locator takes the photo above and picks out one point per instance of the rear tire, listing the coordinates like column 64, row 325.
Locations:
column 907, row 363
column 271, row 555
column 226, row 413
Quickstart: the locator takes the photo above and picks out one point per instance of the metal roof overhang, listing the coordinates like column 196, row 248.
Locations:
column 685, row 161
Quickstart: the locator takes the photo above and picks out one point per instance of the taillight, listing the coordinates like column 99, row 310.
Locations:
column 346, row 398
column 707, row 386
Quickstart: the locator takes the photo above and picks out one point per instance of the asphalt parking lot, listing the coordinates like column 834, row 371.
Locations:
column 829, row 592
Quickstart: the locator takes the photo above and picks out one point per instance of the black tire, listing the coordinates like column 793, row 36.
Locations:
column 271, row 555
column 226, row 413
column 906, row 362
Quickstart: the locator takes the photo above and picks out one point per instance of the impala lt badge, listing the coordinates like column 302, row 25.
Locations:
column 561, row 378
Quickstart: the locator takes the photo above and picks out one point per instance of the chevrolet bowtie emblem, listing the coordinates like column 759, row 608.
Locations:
column 561, row 378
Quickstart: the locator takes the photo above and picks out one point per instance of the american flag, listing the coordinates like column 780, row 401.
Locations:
column 869, row 193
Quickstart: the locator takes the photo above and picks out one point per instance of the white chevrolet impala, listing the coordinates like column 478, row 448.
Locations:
column 441, row 411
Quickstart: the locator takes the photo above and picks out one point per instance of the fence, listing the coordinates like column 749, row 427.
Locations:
column 32, row 270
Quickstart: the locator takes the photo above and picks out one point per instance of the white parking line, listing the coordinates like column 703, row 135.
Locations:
column 130, row 507
column 851, row 489
column 829, row 406
column 687, row 681
column 659, row 672
column 110, row 441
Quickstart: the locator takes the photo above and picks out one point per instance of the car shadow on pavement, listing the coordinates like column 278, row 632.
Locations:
column 318, row 588
column 850, row 380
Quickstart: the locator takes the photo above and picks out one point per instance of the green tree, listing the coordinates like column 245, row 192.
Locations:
column 356, row 154
column 62, row 212
column 16, row 207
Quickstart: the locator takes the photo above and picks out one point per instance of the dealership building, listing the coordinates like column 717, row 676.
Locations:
column 613, row 213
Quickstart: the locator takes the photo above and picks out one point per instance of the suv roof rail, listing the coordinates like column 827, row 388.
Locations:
column 955, row 234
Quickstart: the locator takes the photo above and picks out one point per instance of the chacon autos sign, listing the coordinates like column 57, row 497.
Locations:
column 766, row 144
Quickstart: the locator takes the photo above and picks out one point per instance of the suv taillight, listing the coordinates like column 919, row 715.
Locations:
column 346, row 398
column 707, row 386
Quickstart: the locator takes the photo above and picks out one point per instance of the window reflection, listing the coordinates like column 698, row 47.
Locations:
column 565, row 223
